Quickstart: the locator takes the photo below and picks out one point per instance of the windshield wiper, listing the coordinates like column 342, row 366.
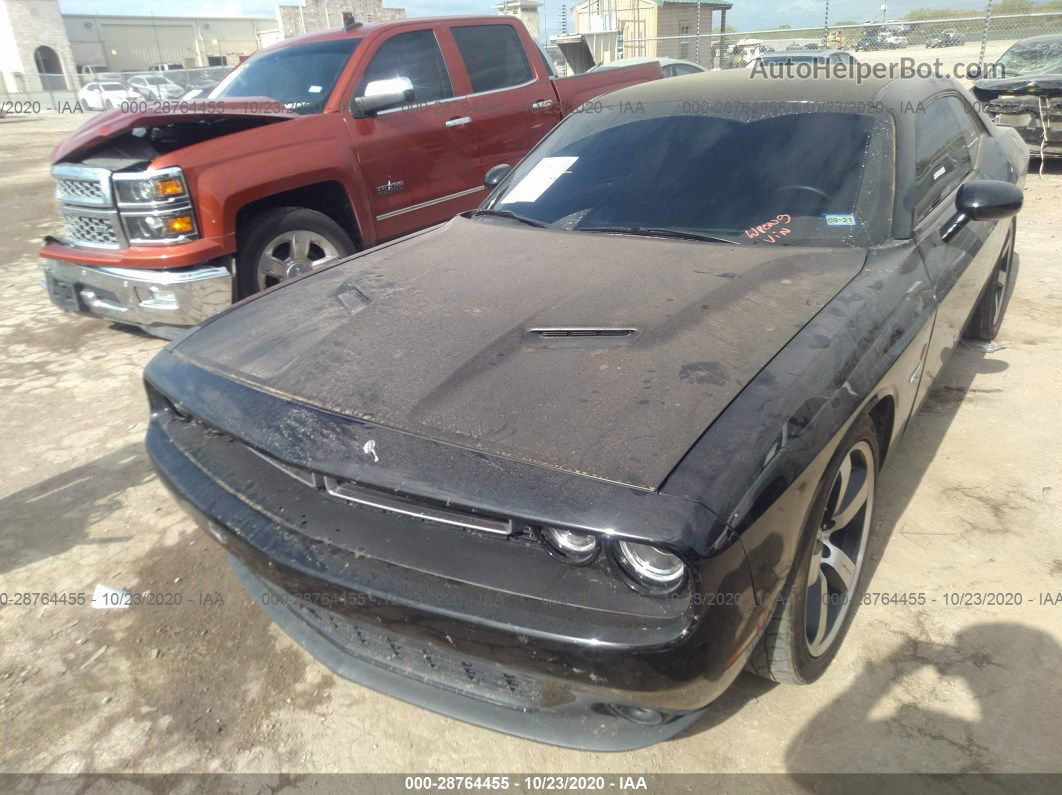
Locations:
column 508, row 214
column 654, row 231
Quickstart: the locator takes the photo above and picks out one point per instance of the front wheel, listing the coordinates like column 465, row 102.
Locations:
column 813, row 615
column 285, row 242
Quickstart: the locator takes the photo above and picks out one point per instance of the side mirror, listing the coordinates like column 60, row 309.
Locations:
column 982, row 200
column 496, row 175
column 382, row 95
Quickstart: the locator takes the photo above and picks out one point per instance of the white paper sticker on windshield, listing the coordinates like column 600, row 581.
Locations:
column 538, row 179
column 315, row 89
column 940, row 172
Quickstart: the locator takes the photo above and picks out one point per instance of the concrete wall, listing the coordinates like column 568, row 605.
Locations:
column 294, row 19
column 25, row 26
column 133, row 42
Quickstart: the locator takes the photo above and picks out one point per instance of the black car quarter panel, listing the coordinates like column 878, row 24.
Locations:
column 758, row 465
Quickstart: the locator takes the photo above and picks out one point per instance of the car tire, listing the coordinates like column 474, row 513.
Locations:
column 988, row 315
column 793, row 649
column 284, row 242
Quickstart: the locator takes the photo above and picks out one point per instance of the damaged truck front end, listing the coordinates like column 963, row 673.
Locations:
column 134, row 249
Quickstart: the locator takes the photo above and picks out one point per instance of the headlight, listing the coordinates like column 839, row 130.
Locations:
column 650, row 567
column 570, row 544
column 159, row 227
column 162, row 187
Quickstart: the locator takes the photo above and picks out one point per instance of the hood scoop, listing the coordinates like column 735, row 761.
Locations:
column 578, row 337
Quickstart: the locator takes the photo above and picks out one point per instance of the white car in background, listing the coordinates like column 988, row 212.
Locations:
column 155, row 87
column 103, row 94
column 671, row 67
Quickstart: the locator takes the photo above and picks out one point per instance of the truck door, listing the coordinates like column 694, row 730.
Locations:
column 420, row 162
column 512, row 102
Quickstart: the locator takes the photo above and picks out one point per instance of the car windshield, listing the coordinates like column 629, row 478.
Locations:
column 300, row 77
column 736, row 174
column 1033, row 57
column 112, row 86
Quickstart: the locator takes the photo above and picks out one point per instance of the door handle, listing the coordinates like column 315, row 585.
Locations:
column 457, row 122
column 542, row 104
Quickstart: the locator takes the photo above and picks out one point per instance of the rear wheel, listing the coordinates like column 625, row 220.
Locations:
column 988, row 315
column 285, row 242
column 813, row 616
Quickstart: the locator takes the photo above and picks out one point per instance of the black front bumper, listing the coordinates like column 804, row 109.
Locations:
column 547, row 671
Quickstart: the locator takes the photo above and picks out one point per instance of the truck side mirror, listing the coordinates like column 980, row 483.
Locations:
column 381, row 95
column 496, row 175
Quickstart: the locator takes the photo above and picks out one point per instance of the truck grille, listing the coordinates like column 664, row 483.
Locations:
column 80, row 189
column 472, row 678
column 96, row 231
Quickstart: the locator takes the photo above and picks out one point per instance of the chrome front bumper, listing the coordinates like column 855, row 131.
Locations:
column 161, row 302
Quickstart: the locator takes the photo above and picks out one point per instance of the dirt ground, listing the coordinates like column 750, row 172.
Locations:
column 971, row 502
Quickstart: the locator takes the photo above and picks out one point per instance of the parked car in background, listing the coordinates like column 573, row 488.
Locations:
column 200, row 90
column 871, row 41
column 104, row 94
column 804, row 57
column 949, row 37
column 565, row 465
column 165, row 67
column 669, row 67
column 307, row 151
column 155, row 87
column 1029, row 97
column 895, row 41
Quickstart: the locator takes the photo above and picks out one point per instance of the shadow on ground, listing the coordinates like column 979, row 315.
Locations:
column 52, row 516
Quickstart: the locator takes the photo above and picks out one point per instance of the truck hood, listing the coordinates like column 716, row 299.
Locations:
column 113, row 123
column 602, row 355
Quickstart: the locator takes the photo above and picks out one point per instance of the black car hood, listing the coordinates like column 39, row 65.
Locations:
column 1049, row 85
column 436, row 336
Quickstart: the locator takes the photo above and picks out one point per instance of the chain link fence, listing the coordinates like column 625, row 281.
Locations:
column 960, row 39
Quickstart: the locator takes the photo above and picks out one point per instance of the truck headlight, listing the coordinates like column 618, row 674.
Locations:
column 164, row 186
column 155, row 206
column 157, row 227
column 650, row 567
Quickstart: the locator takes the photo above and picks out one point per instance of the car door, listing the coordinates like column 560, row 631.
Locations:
column 512, row 103
column 949, row 149
column 420, row 161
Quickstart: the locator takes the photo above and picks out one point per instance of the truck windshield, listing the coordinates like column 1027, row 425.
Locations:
column 300, row 77
column 730, row 173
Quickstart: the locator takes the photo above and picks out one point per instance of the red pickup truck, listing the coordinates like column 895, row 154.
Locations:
column 306, row 152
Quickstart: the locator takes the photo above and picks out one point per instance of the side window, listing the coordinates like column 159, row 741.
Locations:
column 493, row 55
column 945, row 147
column 416, row 57
column 684, row 69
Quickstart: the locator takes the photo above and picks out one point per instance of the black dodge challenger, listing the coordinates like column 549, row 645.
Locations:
column 566, row 464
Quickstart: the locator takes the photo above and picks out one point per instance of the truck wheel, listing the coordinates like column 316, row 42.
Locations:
column 988, row 315
column 284, row 242
column 812, row 616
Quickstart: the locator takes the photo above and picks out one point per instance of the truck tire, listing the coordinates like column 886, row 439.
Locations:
column 987, row 317
column 284, row 242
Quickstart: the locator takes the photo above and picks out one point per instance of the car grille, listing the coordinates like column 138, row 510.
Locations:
column 472, row 678
column 80, row 189
column 91, row 230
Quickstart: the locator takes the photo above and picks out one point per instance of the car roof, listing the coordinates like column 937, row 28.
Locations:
column 737, row 85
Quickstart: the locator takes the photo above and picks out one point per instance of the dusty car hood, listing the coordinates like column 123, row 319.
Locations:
column 114, row 122
column 433, row 336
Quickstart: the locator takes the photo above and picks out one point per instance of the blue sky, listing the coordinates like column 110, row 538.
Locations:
column 746, row 15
